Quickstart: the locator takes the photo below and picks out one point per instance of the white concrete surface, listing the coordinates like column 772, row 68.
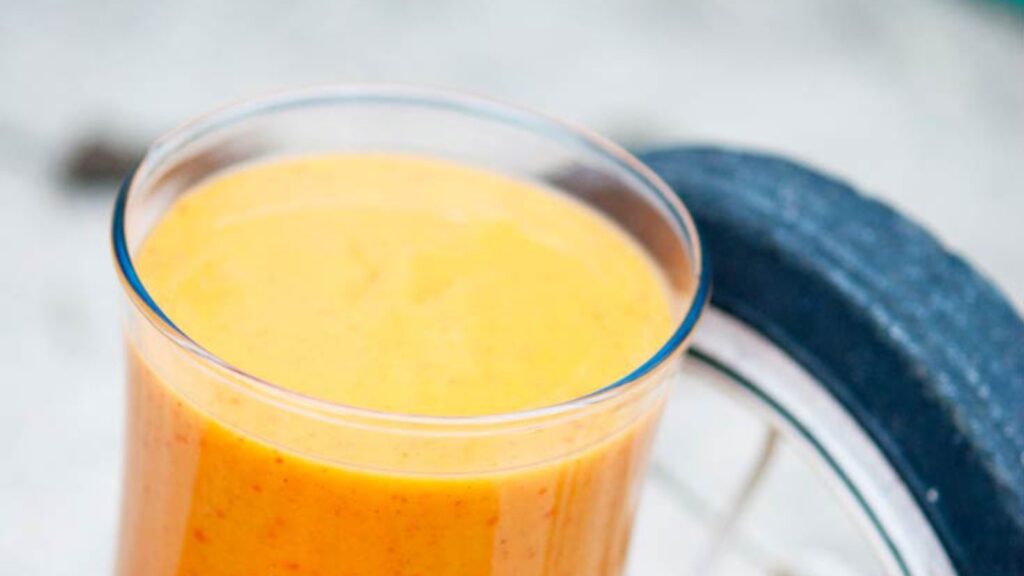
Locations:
column 919, row 102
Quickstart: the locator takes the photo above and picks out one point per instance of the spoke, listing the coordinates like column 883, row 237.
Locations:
column 725, row 528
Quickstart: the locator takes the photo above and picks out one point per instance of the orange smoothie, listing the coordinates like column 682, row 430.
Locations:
column 389, row 285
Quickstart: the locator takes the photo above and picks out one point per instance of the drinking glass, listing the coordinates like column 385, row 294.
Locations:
column 227, row 473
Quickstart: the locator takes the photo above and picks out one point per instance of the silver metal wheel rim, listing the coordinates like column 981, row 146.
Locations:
column 792, row 402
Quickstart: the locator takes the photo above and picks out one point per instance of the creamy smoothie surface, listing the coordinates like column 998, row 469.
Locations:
column 405, row 284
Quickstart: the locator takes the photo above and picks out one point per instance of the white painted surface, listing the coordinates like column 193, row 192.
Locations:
column 920, row 102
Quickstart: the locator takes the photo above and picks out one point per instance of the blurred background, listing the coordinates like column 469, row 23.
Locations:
column 917, row 102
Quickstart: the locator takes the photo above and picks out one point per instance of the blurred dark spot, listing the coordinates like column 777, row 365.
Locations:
column 98, row 159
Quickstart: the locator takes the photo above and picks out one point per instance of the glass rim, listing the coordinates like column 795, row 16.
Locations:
column 416, row 96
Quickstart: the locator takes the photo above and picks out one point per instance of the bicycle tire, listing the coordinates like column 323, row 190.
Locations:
column 923, row 352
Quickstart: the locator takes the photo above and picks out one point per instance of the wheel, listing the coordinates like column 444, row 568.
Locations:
column 924, row 355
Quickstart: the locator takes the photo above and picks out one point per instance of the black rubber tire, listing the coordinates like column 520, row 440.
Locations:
column 924, row 353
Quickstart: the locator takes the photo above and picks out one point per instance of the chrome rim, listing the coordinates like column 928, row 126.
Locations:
column 798, row 411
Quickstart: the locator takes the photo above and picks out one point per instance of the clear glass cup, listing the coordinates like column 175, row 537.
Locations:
column 229, row 474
